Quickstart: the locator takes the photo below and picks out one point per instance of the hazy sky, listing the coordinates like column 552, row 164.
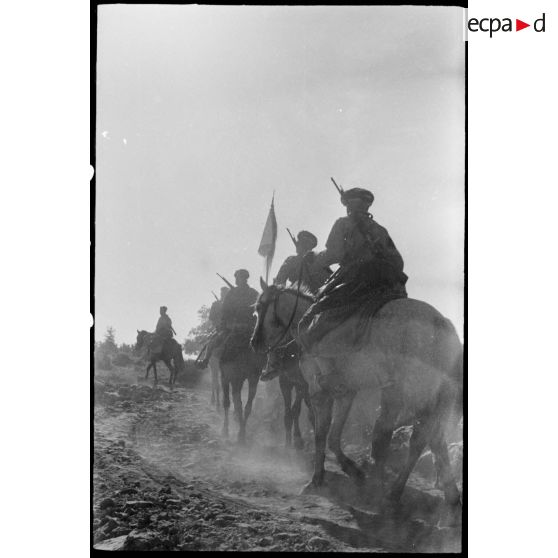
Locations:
column 204, row 111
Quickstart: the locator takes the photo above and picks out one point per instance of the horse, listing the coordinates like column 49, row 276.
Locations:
column 238, row 363
column 287, row 367
column 410, row 352
column 171, row 355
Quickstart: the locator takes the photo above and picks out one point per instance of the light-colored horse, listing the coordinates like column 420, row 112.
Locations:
column 287, row 367
column 410, row 352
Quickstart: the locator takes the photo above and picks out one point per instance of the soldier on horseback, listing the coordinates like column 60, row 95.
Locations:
column 302, row 267
column 370, row 269
column 238, row 306
column 163, row 331
column 236, row 313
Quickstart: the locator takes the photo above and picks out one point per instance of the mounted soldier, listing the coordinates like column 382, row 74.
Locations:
column 236, row 314
column 238, row 306
column 370, row 274
column 163, row 331
column 304, row 267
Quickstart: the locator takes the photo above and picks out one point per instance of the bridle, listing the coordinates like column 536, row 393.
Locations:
column 287, row 327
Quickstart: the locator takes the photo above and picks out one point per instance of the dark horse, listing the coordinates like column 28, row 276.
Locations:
column 238, row 362
column 284, row 363
column 170, row 354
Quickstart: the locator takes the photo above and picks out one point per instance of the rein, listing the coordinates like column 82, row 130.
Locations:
column 288, row 326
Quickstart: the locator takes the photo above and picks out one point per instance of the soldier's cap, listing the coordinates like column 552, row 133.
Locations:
column 241, row 273
column 357, row 194
column 224, row 290
column 163, row 308
column 305, row 236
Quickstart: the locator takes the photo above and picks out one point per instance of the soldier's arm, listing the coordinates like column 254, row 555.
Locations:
column 389, row 251
column 284, row 272
column 335, row 246
column 226, row 311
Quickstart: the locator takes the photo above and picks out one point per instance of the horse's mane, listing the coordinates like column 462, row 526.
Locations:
column 304, row 292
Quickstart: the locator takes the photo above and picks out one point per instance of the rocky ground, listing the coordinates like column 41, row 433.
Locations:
column 165, row 479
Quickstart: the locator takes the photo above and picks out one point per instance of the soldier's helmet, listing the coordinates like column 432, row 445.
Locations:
column 307, row 238
column 357, row 194
column 224, row 290
column 163, row 308
column 242, row 273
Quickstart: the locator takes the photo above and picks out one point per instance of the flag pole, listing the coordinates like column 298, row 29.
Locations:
column 267, row 262
column 269, row 237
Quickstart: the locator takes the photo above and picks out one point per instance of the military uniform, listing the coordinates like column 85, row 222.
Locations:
column 238, row 308
column 370, row 272
column 314, row 275
column 164, row 327
column 236, row 317
column 163, row 332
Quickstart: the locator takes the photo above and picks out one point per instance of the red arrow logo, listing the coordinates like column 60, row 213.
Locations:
column 519, row 25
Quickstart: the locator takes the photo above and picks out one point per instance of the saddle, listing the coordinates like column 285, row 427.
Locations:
column 356, row 294
column 156, row 343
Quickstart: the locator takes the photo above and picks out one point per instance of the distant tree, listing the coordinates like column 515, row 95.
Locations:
column 198, row 336
column 109, row 343
column 125, row 348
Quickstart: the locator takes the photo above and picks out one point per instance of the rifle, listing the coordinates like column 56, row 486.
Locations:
column 292, row 237
column 216, row 297
column 339, row 188
column 229, row 284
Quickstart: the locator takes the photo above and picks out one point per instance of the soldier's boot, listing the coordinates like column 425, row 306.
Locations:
column 272, row 368
column 205, row 355
column 330, row 380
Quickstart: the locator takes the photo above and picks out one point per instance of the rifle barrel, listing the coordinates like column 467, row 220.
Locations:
column 229, row 284
column 292, row 237
column 339, row 189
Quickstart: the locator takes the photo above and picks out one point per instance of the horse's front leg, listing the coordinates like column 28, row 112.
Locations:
column 295, row 412
column 383, row 432
column 237, row 404
column 252, row 388
column 342, row 406
column 149, row 367
column 155, row 374
column 286, row 388
column 226, row 407
column 322, row 404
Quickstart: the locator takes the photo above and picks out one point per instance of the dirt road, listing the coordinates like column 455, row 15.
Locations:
column 165, row 478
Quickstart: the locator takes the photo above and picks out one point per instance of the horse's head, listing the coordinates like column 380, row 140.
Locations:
column 140, row 340
column 275, row 312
